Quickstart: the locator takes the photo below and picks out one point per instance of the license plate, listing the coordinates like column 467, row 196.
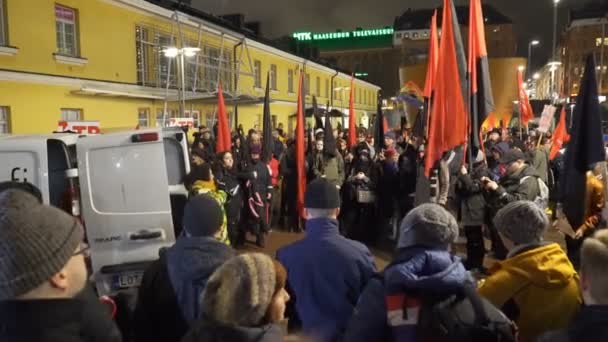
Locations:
column 127, row 280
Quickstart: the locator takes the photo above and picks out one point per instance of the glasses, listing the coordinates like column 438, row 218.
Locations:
column 84, row 250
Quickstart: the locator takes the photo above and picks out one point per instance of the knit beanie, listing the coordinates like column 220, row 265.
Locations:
column 321, row 194
column 36, row 242
column 428, row 225
column 522, row 222
column 240, row 291
column 202, row 216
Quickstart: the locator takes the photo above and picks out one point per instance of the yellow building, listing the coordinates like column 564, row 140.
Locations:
column 105, row 60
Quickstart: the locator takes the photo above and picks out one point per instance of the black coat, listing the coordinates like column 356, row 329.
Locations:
column 232, row 184
column 56, row 320
column 207, row 331
column 511, row 188
column 471, row 192
column 590, row 325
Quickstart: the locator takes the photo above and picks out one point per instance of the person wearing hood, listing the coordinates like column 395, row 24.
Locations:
column 536, row 286
column 520, row 182
column 168, row 300
column 591, row 323
column 326, row 271
column 423, row 265
column 44, row 292
column 259, row 195
column 244, row 301
column 495, row 167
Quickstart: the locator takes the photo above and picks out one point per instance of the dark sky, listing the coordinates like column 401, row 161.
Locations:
column 533, row 19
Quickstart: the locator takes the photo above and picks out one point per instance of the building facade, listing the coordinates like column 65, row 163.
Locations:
column 111, row 61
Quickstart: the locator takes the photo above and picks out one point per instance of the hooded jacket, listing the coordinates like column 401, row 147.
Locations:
column 326, row 272
column 208, row 331
column 511, row 188
column 190, row 263
column 537, row 288
column 417, row 270
column 590, row 325
column 209, row 188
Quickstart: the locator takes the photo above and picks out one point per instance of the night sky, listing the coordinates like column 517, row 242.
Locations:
column 533, row 18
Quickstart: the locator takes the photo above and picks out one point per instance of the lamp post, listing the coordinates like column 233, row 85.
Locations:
column 173, row 52
column 530, row 44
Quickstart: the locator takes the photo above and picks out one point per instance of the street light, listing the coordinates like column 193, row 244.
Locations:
column 530, row 45
column 172, row 52
column 536, row 76
column 521, row 68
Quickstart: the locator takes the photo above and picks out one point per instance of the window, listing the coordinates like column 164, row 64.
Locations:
column 257, row 73
column 327, row 88
column 307, row 85
column 3, row 26
column 273, row 77
column 67, row 31
column 71, row 114
column 5, row 120
column 318, row 86
column 160, row 119
column 290, row 81
column 143, row 117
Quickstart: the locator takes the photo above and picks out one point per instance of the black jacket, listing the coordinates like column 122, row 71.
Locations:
column 55, row 320
column 590, row 325
column 511, row 188
column 470, row 190
column 207, row 331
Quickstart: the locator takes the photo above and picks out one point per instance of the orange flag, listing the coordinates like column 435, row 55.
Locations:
column 352, row 129
column 448, row 121
column 223, row 141
column 560, row 136
column 524, row 103
column 300, row 160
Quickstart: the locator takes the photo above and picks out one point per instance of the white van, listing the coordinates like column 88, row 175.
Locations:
column 126, row 187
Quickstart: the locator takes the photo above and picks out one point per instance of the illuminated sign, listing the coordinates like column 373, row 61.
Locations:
column 344, row 35
column 360, row 74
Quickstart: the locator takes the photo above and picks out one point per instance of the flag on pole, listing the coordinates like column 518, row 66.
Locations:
column 329, row 141
column 481, row 101
column 352, row 128
column 223, row 142
column 300, row 160
column 431, row 68
column 560, row 136
column 380, row 128
column 448, row 121
column 267, row 126
column 316, row 115
column 585, row 147
column 525, row 109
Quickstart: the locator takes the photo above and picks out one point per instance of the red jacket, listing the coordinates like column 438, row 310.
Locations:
column 274, row 170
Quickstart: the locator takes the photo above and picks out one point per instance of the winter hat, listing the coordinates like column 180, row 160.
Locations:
column 255, row 149
column 511, row 156
column 321, row 194
column 428, row 225
column 202, row 216
column 240, row 291
column 522, row 222
column 390, row 135
column 36, row 242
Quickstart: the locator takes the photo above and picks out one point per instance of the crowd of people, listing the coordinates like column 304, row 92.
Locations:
column 326, row 287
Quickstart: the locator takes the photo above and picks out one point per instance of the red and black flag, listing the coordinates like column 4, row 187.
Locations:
column 300, row 151
column 267, row 140
column 560, row 136
column 482, row 101
column 525, row 109
column 585, row 147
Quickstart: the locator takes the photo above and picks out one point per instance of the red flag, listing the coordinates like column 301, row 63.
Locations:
column 448, row 121
column 524, row 103
column 431, row 69
column 300, row 160
column 352, row 129
column 223, row 141
column 560, row 136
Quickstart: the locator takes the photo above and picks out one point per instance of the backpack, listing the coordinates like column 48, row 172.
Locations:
column 542, row 199
column 459, row 317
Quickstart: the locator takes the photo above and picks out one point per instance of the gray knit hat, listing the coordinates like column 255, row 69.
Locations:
column 240, row 291
column 428, row 225
column 36, row 241
column 522, row 222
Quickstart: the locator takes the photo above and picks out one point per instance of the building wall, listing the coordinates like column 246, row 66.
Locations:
column 107, row 39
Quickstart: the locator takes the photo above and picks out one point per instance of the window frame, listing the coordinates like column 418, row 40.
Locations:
column 76, row 35
column 5, row 111
column 307, row 84
column 318, row 86
column 257, row 73
column 273, row 77
column 64, row 111
column 145, row 111
column 327, row 88
column 290, row 75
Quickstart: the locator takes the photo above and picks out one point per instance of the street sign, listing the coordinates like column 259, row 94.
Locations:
column 80, row 127
column 546, row 118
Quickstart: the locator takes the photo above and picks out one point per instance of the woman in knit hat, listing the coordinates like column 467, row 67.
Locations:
column 244, row 301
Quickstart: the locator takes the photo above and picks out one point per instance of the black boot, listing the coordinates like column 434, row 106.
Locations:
column 260, row 240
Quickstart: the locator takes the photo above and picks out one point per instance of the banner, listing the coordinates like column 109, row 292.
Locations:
column 181, row 122
column 80, row 127
column 546, row 118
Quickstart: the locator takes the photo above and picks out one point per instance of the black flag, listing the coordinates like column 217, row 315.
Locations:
column 585, row 148
column 316, row 114
column 267, row 128
column 379, row 128
column 329, row 141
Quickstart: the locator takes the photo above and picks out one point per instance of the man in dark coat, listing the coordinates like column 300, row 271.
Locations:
column 259, row 196
column 169, row 296
column 591, row 324
column 287, row 169
column 519, row 183
column 326, row 272
column 44, row 295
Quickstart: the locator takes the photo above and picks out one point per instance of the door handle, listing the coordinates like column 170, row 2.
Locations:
column 143, row 235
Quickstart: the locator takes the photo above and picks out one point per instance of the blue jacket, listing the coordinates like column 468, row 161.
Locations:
column 190, row 263
column 415, row 269
column 327, row 274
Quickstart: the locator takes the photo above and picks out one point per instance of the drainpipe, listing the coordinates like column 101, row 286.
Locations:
column 236, row 87
column 331, row 96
